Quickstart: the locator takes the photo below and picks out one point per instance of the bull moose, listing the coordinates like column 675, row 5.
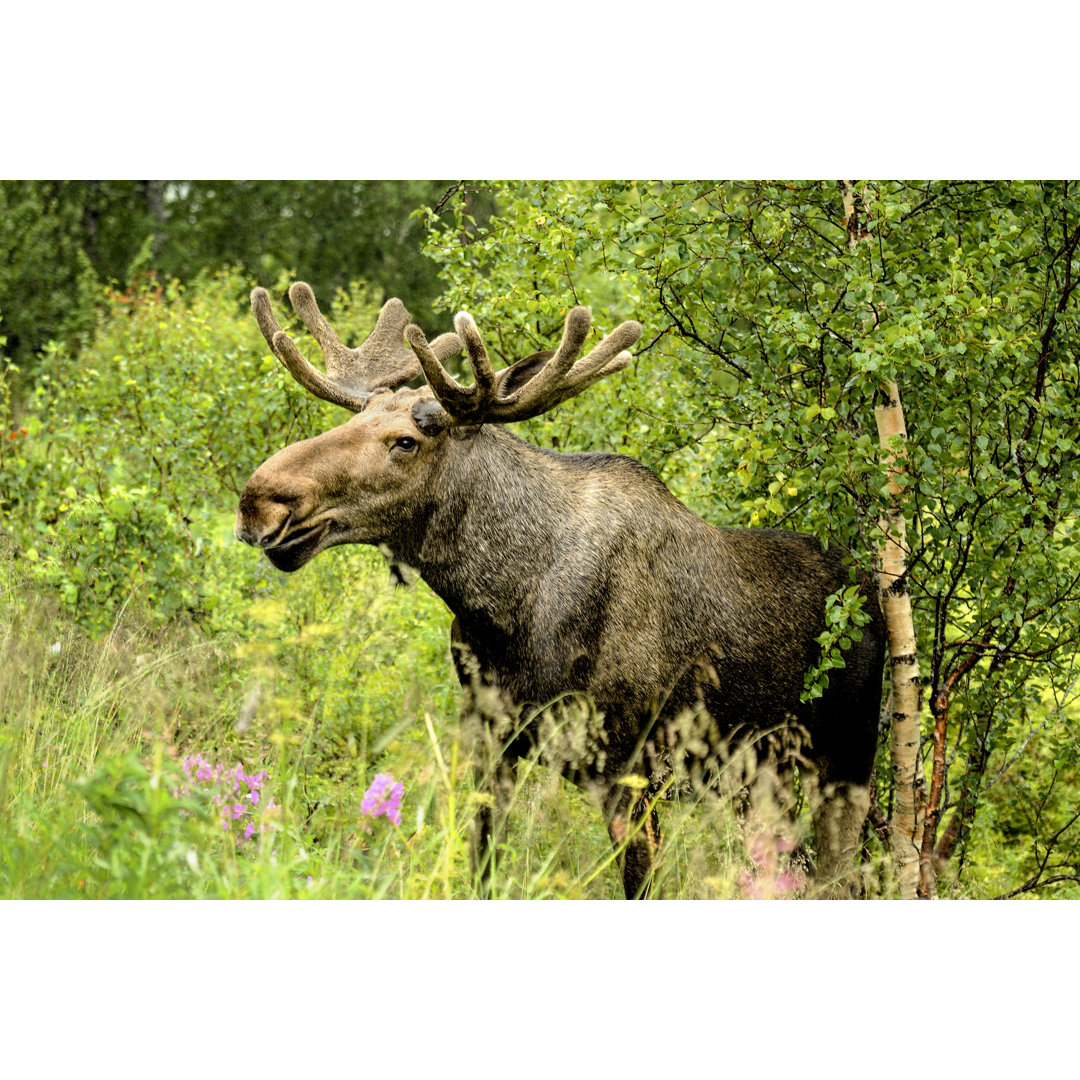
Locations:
column 574, row 579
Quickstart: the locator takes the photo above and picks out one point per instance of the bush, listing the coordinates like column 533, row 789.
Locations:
column 129, row 459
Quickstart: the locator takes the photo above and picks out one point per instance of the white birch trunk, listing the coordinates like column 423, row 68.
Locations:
column 905, row 828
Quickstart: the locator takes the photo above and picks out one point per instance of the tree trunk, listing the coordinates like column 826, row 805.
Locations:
column 155, row 202
column 906, row 826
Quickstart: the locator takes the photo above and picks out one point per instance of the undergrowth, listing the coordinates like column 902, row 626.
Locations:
column 128, row 764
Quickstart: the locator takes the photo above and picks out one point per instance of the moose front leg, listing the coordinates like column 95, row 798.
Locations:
column 484, row 726
column 495, row 784
column 634, row 828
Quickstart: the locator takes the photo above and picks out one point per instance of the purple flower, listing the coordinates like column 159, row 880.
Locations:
column 383, row 797
column 240, row 813
column 770, row 879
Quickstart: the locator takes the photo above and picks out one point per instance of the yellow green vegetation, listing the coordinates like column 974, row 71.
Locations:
column 140, row 644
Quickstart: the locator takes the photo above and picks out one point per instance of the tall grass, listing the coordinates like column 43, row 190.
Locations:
column 94, row 800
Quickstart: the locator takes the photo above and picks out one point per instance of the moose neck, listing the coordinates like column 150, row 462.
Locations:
column 486, row 541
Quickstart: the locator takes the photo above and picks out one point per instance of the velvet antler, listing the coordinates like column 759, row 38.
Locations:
column 382, row 362
column 529, row 387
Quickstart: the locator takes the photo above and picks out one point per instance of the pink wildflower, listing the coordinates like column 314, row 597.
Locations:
column 769, row 880
column 383, row 797
column 236, row 814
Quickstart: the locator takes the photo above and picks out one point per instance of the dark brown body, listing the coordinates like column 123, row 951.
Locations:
column 580, row 575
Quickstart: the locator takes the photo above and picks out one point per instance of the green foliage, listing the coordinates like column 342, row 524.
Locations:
column 774, row 314
column 334, row 230
column 60, row 239
column 144, row 839
column 134, row 630
column 137, row 442
column 844, row 615
column 42, row 264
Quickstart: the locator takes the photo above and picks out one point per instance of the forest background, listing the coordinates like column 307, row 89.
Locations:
column 182, row 720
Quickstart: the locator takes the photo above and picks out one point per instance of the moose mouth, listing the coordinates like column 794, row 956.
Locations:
column 299, row 548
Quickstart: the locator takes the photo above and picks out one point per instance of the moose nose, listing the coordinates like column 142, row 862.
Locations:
column 283, row 491
column 244, row 534
column 258, row 522
column 265, row 512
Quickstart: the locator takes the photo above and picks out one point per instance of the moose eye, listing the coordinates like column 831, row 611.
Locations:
column 406, row 442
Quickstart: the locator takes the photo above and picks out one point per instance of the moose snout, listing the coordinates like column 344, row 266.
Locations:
column 259, row 521
column 266, row 511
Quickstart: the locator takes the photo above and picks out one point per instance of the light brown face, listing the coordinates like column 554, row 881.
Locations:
column 356, row 483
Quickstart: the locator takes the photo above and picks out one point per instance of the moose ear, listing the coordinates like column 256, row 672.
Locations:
column 517, row 375
column 430, row 417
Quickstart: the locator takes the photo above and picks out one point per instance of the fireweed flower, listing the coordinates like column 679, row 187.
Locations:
column 383, row 797
column 234, row 792
column 769, row 880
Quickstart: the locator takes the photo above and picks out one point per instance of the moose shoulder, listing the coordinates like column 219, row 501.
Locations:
column 576, row 580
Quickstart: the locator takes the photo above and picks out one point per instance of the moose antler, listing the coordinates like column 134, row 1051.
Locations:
column 382, row 362
column 529, row 387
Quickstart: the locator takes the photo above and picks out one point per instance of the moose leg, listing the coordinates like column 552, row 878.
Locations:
column 839, row 796
column 484, row 725
column 634, row 828
column 843, row 750
column 838, row 815
column 495, row 785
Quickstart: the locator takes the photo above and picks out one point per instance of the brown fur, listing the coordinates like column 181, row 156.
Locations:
column 581, row 574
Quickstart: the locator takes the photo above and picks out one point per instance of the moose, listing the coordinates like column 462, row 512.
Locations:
column 598, row 622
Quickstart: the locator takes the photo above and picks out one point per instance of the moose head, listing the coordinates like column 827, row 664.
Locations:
column 367, row 480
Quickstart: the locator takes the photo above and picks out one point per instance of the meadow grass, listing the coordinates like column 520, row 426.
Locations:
column 314, row 701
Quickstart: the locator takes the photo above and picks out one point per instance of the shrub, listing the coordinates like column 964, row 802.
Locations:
column 128, row 462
